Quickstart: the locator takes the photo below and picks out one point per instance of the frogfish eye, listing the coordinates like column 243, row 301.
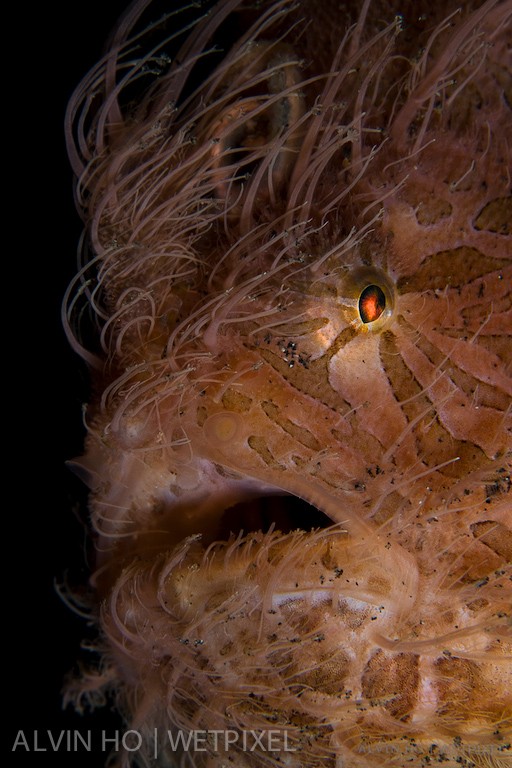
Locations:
column 369, row 296
column 372, row 303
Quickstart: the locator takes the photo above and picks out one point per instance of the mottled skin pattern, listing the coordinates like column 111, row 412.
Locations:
column 234, row 225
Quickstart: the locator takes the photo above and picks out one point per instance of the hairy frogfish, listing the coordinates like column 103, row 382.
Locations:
column 294, row 297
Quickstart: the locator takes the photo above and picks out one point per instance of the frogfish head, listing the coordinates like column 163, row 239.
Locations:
column 296, row 294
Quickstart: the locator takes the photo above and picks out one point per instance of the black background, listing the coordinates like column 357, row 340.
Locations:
column 45, row 383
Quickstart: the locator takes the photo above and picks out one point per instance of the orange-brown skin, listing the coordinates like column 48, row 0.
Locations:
column 302, row 272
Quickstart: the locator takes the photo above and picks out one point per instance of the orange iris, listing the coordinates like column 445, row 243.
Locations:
column 372, row 303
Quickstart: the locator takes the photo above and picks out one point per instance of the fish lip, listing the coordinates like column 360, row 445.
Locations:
column 236, row 507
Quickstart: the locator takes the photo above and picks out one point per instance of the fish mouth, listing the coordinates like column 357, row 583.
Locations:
column 285, row 513
column 211, row 515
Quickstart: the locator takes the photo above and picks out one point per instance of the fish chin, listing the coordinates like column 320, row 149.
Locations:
column 299, row 442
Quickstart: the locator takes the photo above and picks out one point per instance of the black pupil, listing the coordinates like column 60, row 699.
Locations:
column 372, row 303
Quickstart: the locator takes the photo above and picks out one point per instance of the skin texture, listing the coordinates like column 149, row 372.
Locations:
column 299, row 279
